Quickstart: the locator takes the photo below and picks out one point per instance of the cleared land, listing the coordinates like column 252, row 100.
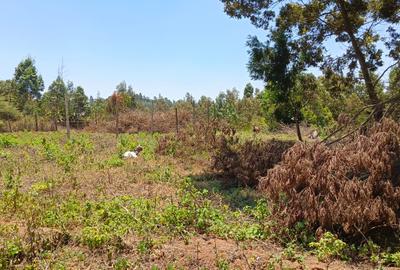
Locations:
column 78, row 205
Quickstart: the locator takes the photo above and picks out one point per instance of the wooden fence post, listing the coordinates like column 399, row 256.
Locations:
column 176, row 121
column 152, row 117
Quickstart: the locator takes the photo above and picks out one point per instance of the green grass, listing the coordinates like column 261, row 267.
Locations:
column 61, row 201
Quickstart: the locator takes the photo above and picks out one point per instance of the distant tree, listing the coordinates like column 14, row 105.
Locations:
column 98, row 108
column 354, row 23
column 162, row 104
column 9, row 91
column 126, row 94
column 28, row 82
column 248, row 91
column 79, row 105
column 249, row 111
column 53, row 101
column 204, row 107
column 115, row 105
column 8, row 112
column 132, row 99
column 226, row 106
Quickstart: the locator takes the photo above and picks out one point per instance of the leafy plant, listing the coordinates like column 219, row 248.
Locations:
column 329, row 247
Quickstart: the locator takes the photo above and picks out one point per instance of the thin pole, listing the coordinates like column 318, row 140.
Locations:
column 176, row 121
column 152, row 116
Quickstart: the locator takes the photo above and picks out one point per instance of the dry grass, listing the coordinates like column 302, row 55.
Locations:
column 351, row 188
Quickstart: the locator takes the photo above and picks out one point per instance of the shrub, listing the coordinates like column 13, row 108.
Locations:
column 8, row 141
column 329, row 247
column 246, row 162
column 187, row 143
column 352, row 187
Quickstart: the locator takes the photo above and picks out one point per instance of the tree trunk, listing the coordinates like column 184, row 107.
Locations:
column 67, row 116
column 176, row 121
column 116, row 124
column 36, row 122
column 371, row 91
column 193, row 113
column 298, row 131
column 152, row 117
column 9, row 125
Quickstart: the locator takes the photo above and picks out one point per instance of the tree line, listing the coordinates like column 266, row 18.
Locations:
column 366, row 75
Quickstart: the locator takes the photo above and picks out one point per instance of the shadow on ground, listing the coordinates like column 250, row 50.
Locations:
column 229, row 192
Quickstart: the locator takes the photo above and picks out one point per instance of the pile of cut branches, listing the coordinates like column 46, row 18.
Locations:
column 351, row 187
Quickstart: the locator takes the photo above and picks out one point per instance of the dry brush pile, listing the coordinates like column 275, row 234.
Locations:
column 245, row 162
column 351, row 188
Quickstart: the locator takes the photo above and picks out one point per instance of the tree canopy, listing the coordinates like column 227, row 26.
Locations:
column 28, row 82
column 313, row 23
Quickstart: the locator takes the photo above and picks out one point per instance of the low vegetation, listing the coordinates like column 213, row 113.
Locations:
column 83, row 205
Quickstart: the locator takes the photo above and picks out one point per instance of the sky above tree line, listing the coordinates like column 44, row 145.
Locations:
column 159, row 47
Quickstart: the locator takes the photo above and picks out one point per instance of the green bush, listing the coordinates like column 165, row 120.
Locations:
column 329, row 247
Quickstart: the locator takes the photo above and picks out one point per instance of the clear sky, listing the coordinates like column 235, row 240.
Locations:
column 159, row 47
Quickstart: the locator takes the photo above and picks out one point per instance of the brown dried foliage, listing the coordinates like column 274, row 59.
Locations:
column 137, row 121
column 351, row 188
column 245, row 163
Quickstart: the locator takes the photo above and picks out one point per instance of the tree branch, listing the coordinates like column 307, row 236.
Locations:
column 383, row 73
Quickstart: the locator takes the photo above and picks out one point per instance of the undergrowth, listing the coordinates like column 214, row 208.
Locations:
column 47, row 209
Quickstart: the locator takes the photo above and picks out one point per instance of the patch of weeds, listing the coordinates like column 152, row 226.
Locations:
column 11, row 195
column 161, row 174
column 11, row 252
column 42, row 187
column 8, row 140
column 329, row 247
column 194, row 211
column 291, row 253
column 145, row 246
column 392, row 259
column 370, row 250
column 275, row 262
column 113, row 161
column 63, row 215
column 59, row 266
column 222, row 264
column 170, row 266
column 5, row 154
column 94, row 237
column 122, row 264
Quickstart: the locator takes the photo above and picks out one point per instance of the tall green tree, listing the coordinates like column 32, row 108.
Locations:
column 352, row 23
column 79, row 105
column 288, row 90
column 226, row 106
column 98, row 108
column 53, row 101
column 28, row 82
column 248, row 91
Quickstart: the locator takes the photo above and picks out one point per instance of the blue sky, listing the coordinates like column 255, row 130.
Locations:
column 160, row 47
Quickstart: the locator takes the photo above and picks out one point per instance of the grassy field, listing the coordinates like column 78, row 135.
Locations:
column 78, row 205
